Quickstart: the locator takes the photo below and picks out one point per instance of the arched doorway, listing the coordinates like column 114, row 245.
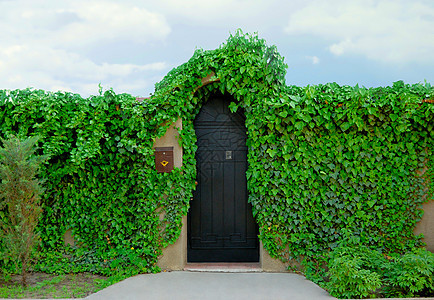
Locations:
column 221, row 227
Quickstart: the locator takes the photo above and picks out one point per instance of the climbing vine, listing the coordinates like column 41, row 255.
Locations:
column 322, row 160
column 97, row 182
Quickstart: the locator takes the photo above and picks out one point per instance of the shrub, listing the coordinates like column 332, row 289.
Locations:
column 358, row 271
column 20, row 191
column 353, row 272
column 411, row 274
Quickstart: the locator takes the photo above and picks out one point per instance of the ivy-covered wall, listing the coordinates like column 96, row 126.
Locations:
column 324, row 160
column 100, row 179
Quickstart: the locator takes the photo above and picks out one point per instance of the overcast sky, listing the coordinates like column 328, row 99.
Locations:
column 130, row 45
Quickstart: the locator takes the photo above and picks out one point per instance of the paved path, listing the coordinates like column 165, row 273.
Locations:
column 204, row 285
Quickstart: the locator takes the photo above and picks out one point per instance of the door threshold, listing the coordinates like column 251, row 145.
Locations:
column 223, row 267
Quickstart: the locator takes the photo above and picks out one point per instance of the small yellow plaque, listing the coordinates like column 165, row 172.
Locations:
column 164, row 163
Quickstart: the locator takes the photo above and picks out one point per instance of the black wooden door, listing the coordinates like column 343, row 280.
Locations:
column 221, row 227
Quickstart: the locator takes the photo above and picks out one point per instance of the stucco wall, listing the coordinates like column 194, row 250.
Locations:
column 170, row 139
column 426, row 225
column 174, row 256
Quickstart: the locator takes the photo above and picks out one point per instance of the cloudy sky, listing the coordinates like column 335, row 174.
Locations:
column 130, row 45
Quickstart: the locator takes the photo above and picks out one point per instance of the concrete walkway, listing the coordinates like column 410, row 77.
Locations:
column 205, row 285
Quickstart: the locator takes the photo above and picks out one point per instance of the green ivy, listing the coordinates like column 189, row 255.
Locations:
column 322, row 159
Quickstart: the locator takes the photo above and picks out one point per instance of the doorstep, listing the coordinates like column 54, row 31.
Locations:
column 224, row 267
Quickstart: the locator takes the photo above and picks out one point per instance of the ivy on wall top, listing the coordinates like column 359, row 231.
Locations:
column 323, row 159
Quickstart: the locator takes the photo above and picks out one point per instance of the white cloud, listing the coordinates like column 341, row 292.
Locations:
column 222, row 13
column 44, row 43
column 314, row 59
column 86, row 22
column 383, row 30
column 75, row 44
column 49, row 68
column 342, row 47
column 106, row 20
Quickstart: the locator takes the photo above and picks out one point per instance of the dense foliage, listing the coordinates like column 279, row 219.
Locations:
column 97, row 181
column 356, row 271
column 321, row 158
column 332, row 158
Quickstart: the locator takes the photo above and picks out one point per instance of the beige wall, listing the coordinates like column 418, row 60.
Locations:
column 174, row 256
column 269, row 264
column 170, row 139
column 426, row 225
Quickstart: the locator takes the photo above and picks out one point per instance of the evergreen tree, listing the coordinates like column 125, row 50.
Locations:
column 19, row 193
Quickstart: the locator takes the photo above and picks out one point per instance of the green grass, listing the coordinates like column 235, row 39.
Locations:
column 43, row 285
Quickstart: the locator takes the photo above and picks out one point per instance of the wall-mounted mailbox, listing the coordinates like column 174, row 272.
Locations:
column 164, row 159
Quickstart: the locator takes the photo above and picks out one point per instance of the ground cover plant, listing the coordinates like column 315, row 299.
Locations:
column 42, row 285
column 323, row 160
column 356, row 271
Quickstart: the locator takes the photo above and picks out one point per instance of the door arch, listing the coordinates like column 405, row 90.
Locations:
column 221, row 227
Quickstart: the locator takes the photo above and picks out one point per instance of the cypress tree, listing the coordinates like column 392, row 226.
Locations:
column 20, row 192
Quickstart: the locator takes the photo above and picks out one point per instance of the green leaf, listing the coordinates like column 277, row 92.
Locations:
column 299, row 125
column 283, row 114
column 271, row 152
column 306, row 118
column 233, row 107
